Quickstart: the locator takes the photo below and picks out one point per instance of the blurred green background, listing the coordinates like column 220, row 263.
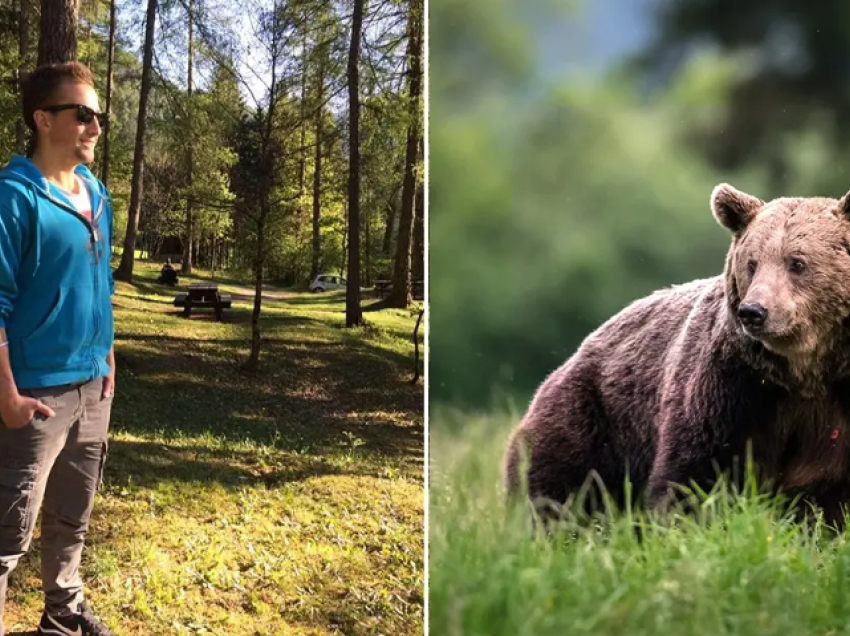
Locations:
column 573, row 149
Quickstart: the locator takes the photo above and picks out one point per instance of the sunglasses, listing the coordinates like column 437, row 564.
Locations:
column 85, row 115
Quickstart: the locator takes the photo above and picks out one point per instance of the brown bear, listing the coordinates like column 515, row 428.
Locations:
column 678, row 385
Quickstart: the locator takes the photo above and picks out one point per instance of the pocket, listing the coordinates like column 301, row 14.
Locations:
column 20, row 428
column 51, row 315
column 47, row 397
column 17, row 489
column 34, row 422
column 61, row 339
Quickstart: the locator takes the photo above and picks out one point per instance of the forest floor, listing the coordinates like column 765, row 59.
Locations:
column 285, row 501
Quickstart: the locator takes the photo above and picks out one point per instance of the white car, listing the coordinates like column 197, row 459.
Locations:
column 327, row 282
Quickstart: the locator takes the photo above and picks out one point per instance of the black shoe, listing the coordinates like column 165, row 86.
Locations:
column 83, row 624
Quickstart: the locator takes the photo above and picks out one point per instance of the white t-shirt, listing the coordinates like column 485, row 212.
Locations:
column 79, row 198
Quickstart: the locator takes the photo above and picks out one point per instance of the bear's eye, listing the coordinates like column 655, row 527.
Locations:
column 751, row 268
column 796, row 265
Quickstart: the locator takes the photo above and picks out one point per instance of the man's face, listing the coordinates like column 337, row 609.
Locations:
column 62, row 134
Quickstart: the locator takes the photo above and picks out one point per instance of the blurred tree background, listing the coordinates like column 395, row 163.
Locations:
column 570, row 173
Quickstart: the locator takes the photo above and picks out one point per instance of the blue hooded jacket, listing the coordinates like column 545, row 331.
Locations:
column 55, row 278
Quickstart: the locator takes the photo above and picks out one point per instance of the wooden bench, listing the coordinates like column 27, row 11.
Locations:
column 418, row 289
column 202, row 296
column 384, row 287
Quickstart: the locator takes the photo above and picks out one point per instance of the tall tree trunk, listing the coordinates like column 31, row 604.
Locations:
column 269, row 162
column 259, row 258
column 125, row 269
column 353, row 315
column 389, row 219
column 88, row 30
column 317, row 172
column 104, row 173
column 400, row 295
column 345, row 218
column 392, row 208
column 367, row 253
column 302, row 156
column 417, row 267
column 57, row 40
column 23, row 53
column 190, row 220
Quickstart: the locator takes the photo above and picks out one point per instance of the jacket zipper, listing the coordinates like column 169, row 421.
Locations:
column 94, row 240
column 97, row 267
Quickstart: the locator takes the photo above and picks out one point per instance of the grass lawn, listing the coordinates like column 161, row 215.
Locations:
column 286, row 502
column 750, row 571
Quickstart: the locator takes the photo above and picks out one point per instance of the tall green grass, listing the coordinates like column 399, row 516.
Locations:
column 741, row 566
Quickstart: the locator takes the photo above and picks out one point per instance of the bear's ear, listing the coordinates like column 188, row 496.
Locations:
column 732, row 208
column 843, row 207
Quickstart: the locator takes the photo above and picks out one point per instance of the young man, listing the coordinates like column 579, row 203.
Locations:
column 57, row 364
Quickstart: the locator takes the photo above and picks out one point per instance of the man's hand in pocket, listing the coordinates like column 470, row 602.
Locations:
column 21, row 409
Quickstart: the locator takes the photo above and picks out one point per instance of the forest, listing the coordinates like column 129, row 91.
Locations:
column 278, row 140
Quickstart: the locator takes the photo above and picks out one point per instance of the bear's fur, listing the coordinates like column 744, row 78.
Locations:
column 673, row 387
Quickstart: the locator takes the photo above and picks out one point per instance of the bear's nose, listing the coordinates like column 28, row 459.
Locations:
column 752, row 314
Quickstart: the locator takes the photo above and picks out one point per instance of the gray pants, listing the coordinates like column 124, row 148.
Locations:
column 56, row 461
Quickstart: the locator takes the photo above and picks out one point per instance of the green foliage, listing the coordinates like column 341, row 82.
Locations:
column 787, row 71
column 591, row 204
column 556, row 203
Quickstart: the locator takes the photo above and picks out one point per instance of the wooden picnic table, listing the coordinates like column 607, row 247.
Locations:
column 201, row 296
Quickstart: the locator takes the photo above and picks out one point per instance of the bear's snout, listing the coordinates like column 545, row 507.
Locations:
column 752, row 315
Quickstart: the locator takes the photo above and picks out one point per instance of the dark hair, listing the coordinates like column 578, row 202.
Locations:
column 39, row 86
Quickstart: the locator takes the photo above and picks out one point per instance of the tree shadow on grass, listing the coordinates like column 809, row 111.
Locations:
column 326, row 298
column 305, row 400
column 387, row 368
column 242, row 316
column 378, row 305
column 145, row 464
column 135, row 298
column 149, row 287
